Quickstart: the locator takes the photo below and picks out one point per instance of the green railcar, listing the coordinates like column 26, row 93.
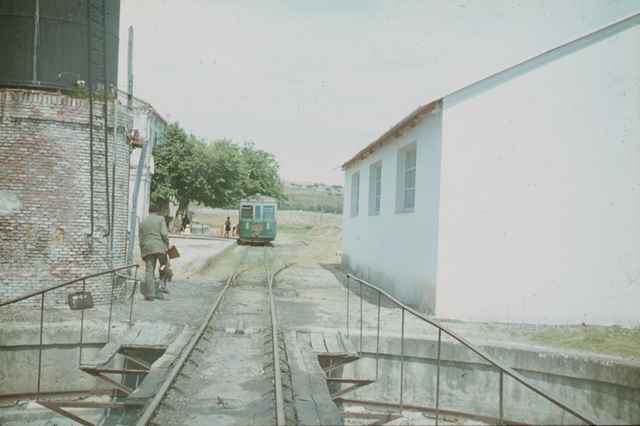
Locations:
column 257, row 220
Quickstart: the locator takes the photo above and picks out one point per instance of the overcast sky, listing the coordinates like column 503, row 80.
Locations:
column 314, row 81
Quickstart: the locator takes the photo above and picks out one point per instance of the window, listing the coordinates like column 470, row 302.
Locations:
column 355, row 193
column 258, row 213
column 406, row 200
column 375, row 188
column 269, row 212
column 409, row 201
column 246, row 212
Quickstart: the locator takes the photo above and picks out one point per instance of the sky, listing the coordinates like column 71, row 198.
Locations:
column 315, row 81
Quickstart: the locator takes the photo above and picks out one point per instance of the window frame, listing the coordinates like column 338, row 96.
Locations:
column 242, row 209
column 272, row 209
column 375, row 188
column 354, row 208
column 407, row 183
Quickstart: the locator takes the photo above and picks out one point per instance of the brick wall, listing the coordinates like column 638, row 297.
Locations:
column 45, row 193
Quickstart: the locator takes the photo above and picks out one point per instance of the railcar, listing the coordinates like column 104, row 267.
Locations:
column 257, row 220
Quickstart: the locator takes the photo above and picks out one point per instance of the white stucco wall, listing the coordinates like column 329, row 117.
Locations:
column 540, row 190
column 149, row 128
column 397, row 251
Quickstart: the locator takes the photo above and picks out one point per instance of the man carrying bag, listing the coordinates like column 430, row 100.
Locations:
column 154, row 243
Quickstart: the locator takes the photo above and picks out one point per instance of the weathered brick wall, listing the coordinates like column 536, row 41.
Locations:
column 45, row 193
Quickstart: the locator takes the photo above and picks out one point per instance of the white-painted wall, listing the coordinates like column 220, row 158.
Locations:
column 535, row 173
column 398, row 250
column 540, row 190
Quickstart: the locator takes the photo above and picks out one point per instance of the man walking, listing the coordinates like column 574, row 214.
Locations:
column 154, row 243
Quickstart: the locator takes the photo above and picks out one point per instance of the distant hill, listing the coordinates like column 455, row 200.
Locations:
column 312, row 196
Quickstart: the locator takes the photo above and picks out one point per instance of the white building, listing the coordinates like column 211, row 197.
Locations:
column 150, row 127
column 515, row 198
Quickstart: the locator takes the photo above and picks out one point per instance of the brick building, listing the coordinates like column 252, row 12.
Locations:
column 46, row 196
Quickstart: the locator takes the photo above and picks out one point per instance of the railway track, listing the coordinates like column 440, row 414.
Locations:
column 181, row 394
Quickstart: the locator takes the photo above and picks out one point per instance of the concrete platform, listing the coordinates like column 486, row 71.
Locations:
column 313, row 298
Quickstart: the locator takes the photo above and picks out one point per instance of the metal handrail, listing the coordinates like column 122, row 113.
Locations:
column 55, row 287
column 503, row 369
column 83, row 280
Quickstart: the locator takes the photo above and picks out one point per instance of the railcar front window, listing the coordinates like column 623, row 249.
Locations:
column 269, row 213
column 246, row 212
column 258, row 215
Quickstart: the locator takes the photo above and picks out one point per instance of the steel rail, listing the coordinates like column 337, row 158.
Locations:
column 502, row 368
column 150, row 410
column 280, row 416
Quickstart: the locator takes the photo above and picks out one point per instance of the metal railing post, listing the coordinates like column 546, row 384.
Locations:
column 113, row 280
column 133, row 295
column 402, row 363
column 348, row 285
column 40, row 347
column 378, row 338
column 438, row 377
column 501, row 406
column 360, row 316
column 84, row 286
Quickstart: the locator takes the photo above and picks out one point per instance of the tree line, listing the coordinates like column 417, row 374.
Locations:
column 215, row 174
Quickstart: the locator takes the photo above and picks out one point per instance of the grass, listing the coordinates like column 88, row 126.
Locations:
column 312, row 200
column 294, row 229
column 618, row 341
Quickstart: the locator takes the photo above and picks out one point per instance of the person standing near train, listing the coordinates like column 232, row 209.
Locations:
column 227, row 227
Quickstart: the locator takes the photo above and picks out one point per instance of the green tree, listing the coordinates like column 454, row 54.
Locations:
column 263, row 173
column 216, row 174
column 227, row 171
column 181, row 172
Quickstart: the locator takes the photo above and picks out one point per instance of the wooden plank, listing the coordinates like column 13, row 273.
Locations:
column 65, row 413
column 40, row 395
column 126, row 389
column 312, row 400
column 317, row 342
column 115, row 370
column 87, row 404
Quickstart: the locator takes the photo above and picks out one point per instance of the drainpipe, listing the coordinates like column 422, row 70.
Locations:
column 113, row 175
column 36, row 37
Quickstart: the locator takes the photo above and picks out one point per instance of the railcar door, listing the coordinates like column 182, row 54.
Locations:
column 246, row 220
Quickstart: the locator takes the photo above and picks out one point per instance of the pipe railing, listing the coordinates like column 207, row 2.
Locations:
column 502, row 369
column 42, row 293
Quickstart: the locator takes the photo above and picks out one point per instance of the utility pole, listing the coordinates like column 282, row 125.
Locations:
column 130, row 69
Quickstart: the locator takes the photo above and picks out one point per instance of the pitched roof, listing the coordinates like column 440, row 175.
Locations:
column 412, row 119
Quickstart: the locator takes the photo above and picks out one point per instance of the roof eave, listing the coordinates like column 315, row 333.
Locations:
column 410, row 120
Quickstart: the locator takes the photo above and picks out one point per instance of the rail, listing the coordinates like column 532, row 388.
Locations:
column 42, row 293
column 150, row 409
column 277, row 382
column 502, row 369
